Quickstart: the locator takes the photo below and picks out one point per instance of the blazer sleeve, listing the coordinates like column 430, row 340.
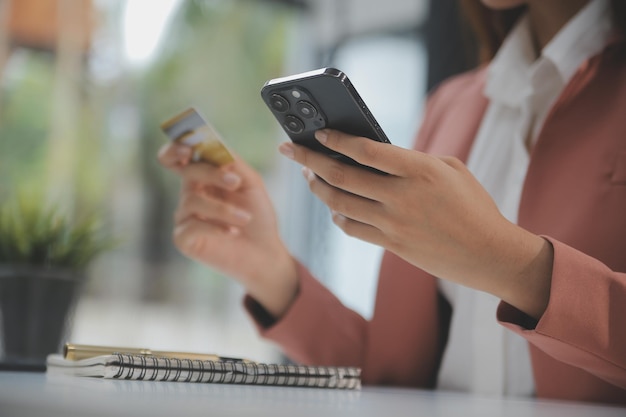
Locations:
column 316, row 329
column 584, row 324
column 401, row 345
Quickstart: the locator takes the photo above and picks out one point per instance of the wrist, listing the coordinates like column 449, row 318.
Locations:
column 276, row 287
column 526, row 284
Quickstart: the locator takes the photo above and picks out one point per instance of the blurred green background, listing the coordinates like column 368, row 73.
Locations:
column 79, row 124
column 87, row 132
column 84, row 87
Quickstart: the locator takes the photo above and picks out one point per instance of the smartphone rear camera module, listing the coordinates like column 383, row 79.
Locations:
column 293, row 124
column 279, row 103
column 306, row 109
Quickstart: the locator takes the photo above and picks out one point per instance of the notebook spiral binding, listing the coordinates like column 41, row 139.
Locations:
column 152, row 368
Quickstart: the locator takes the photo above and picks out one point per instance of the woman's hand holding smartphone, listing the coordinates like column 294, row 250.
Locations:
column 432, row 212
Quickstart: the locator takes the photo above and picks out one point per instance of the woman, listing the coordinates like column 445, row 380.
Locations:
column 533, row 226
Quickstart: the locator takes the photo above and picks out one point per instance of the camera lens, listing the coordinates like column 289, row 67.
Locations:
column 293, row 124
column 279, row 103
column 306, row 109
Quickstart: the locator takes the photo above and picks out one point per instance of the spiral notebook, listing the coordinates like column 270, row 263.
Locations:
column 153, row 368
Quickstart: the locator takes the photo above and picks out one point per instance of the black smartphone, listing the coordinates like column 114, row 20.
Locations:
column 323, row 98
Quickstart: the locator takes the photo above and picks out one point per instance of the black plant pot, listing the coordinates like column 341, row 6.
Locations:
column 37, row 306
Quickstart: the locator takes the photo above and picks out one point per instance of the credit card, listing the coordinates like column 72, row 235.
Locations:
column 191, row 129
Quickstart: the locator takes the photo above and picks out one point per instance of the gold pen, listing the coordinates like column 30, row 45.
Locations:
column 76, row 352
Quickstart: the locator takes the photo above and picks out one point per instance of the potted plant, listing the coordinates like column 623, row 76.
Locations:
column 43, row 260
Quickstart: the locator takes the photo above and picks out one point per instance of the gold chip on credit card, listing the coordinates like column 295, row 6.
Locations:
column 191, row 129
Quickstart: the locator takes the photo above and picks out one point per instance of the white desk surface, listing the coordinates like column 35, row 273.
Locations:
column 31, row 394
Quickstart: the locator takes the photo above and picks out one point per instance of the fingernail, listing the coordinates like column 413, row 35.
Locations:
column 183, row 151
column 338, row 218
column 287, row 150
column 242, row 214
column 234, row 231
column 321, row 136
column 231, row 179
column 189, row 243
column 308, row 174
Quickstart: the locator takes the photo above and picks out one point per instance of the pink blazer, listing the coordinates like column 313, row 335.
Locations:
column 574, row 195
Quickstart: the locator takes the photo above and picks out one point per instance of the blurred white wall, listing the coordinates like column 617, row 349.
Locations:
column 335, row 20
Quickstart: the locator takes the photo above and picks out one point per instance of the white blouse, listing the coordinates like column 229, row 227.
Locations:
column 481, row 356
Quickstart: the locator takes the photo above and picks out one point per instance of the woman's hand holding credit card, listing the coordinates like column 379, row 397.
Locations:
column 225, row 218
column 191, row 129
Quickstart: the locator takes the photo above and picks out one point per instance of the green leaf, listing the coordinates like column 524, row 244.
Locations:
column 32, row 233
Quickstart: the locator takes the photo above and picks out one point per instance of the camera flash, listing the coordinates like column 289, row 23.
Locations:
column 296, row 94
